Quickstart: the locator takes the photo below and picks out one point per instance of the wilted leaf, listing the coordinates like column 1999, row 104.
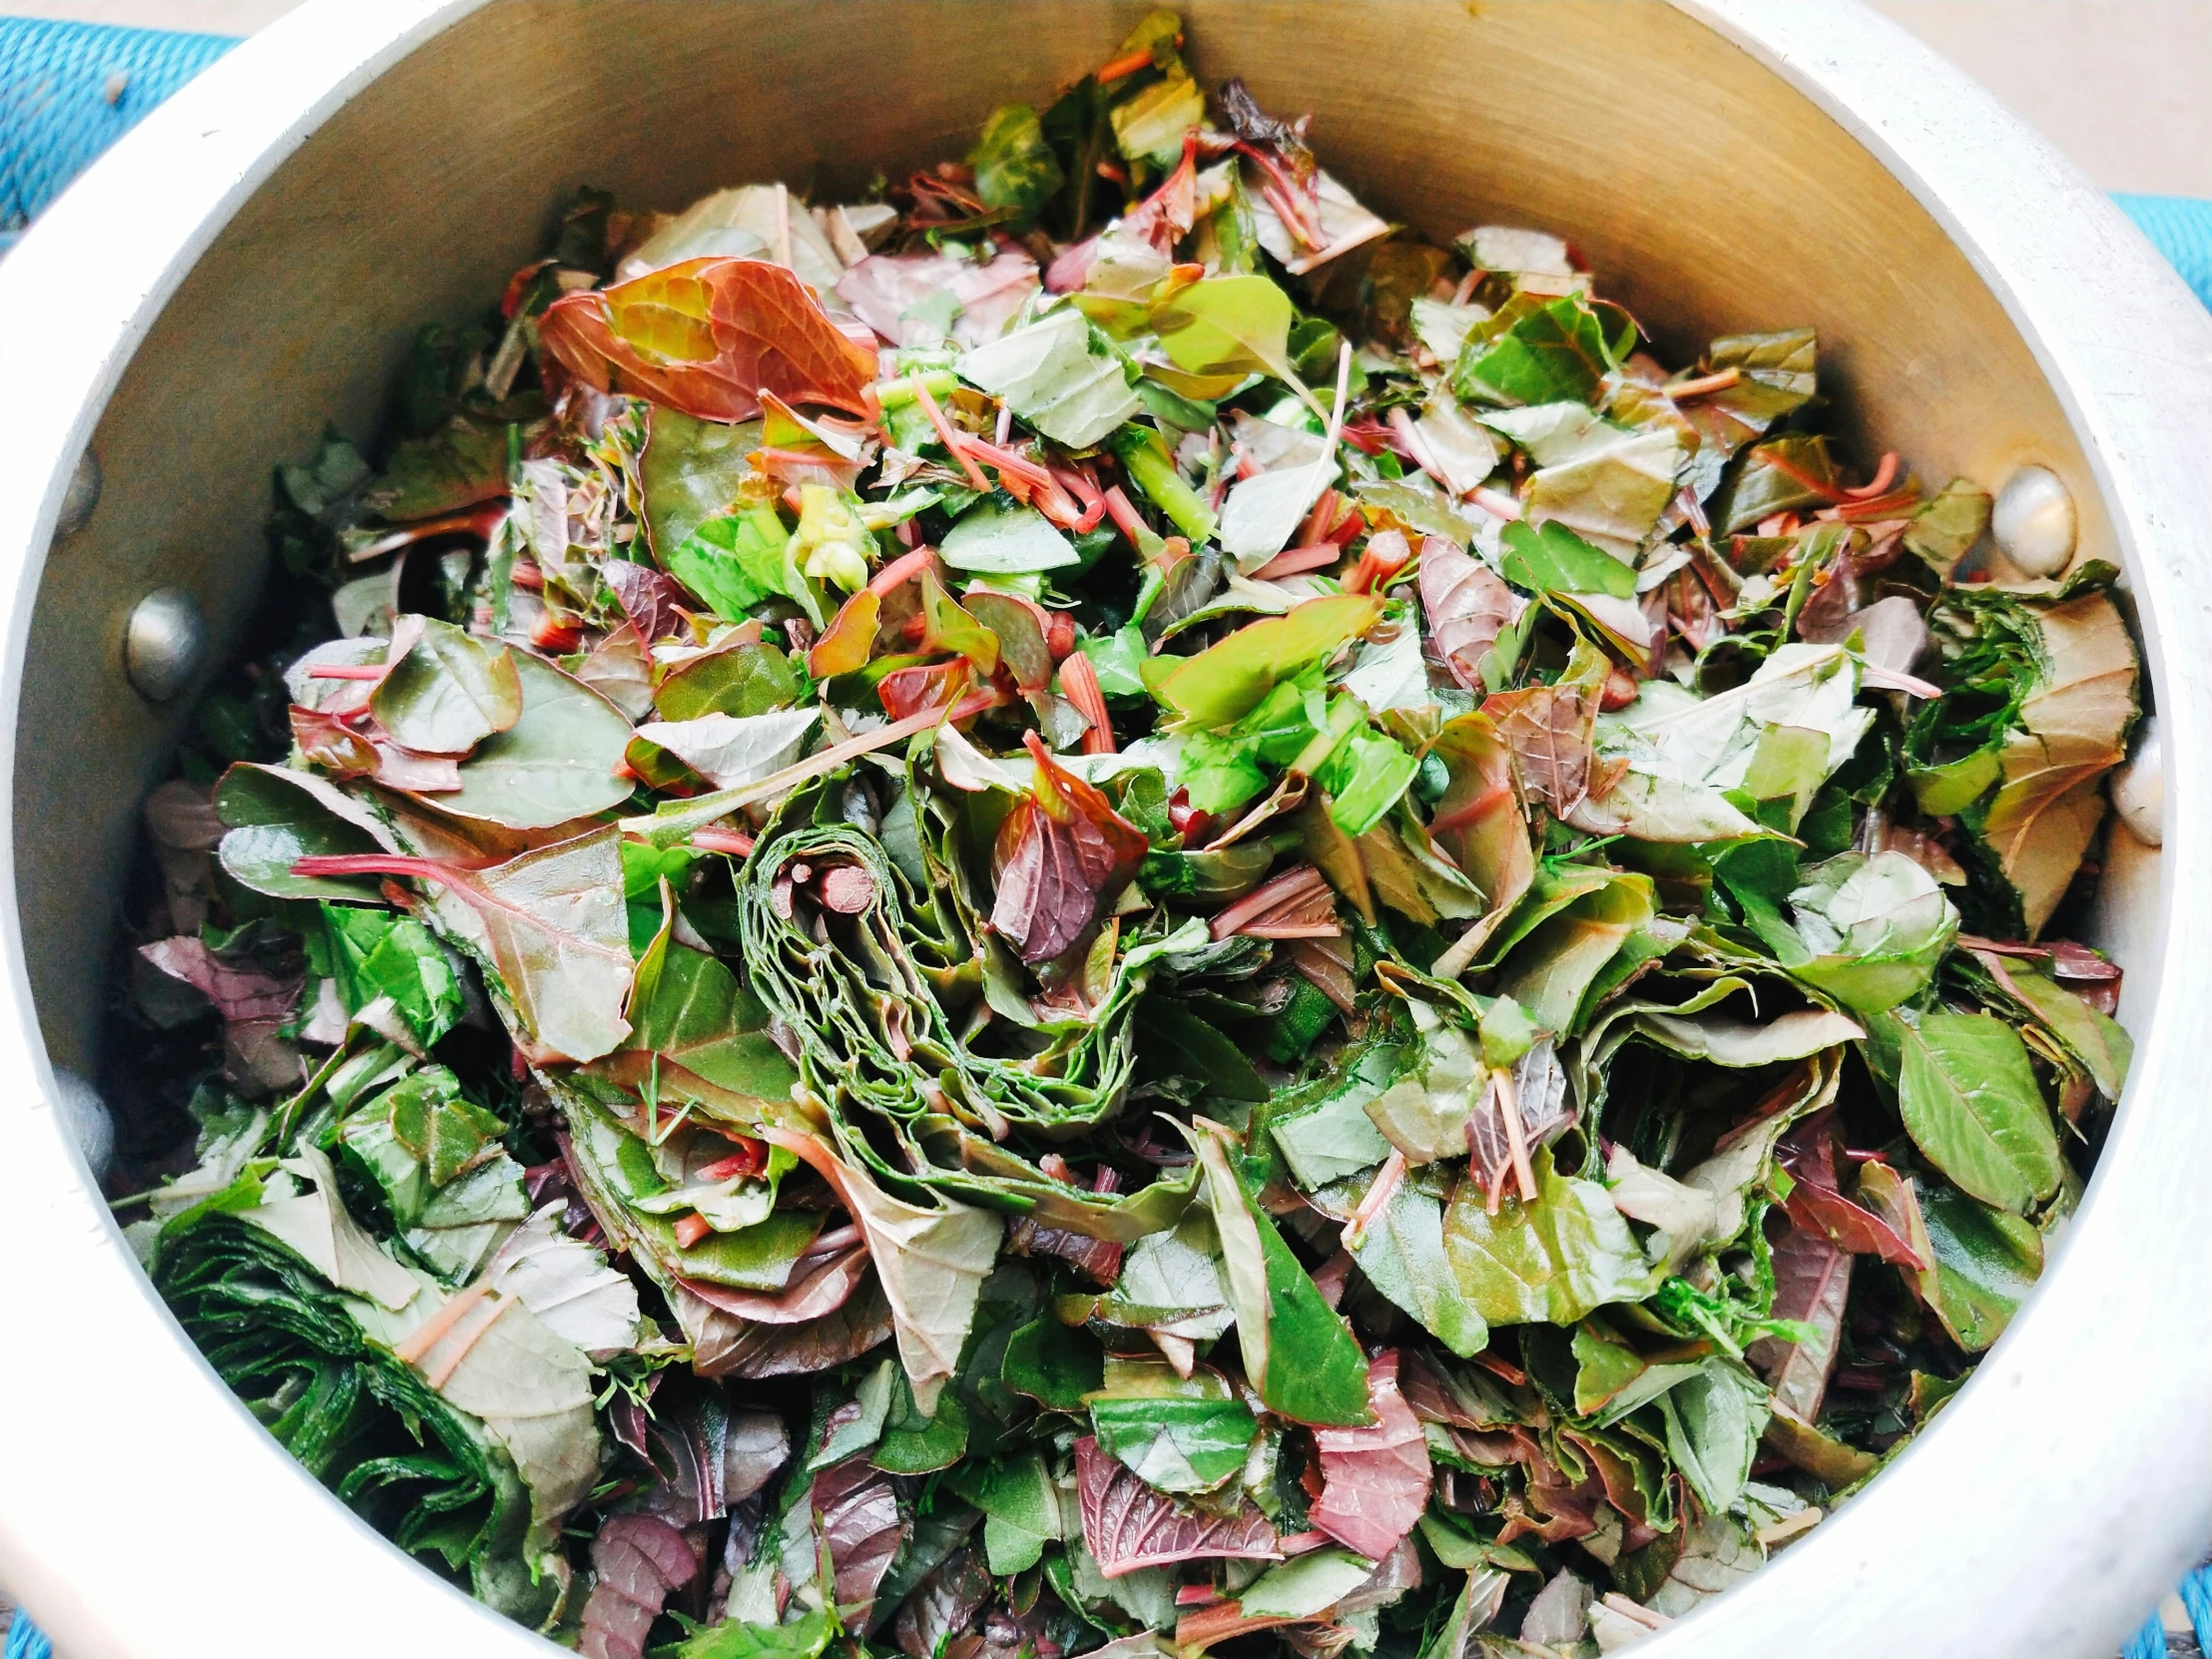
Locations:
column 1228, row 680
column 1062, row 853
column 707, row 336
column 1375, row 1479
column 729, row 751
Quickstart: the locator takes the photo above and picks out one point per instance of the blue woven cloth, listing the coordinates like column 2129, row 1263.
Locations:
column 68, row 91
column 27, row 1641
column 2181, row 229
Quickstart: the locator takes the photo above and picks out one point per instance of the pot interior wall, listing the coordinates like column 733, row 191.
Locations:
column 1709, row 195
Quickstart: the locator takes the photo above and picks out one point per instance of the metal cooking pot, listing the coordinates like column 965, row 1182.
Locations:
column 252, row 260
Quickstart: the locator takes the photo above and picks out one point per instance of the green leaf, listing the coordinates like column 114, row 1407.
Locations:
column 1945, row 527
column 1005, row 541
column 1229, row 325
column 1985, row 1265
column 558, row 762
column 434, row 1122
column 1056, row 375
column 688, row 1008
column 445, row 691
column 1875, row 930
column 1970, row 1101
column 1549, row 970
column 1404, row 1257
column 736, row 562
column 1022, row 1509
column 1229, row 680
column 1540, row 351
column 1304, row 1584
column 804, row 1638
column 1337, row 1136
column 917, row 1444
column 1365, row 776
column 1714, row 1421
column 279, row 817
column 1770, row 479
column 382, row 953
column 1187, row 1439
column 2096, row 1040
column 1306, row 1363
column 1053, row 1365
column 1015, row 164
column 743, row 680
column 691, row 472
column 1424, row 1113
column 1551, row 1260
column 1551, row 558
column 1177, row 1042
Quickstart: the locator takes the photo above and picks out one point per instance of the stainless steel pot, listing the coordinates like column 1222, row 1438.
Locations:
column 251, row 262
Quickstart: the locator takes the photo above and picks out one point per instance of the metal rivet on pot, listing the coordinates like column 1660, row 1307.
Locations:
column 82, row 495
column 163, row 643
column 2033, row 521
column 2139, row 786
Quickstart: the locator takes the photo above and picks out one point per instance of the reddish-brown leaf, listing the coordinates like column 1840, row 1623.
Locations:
column 648, row 598
column 707, row 336
column 1061, row 854
column 1127, row 1525
column 238, row 993
column 1817, row 1205
column 1468, row 606
column 1375, row 1479
column 638, row 1560
column 862, row 1528
column 1812, row 1281
column 1548, row 729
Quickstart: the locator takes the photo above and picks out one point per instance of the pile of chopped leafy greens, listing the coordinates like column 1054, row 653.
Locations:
column 1102, row 907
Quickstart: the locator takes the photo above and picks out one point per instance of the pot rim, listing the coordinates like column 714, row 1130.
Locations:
column 2083, row 289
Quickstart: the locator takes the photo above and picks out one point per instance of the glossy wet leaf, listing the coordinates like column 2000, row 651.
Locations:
column 1971, row 1102
column 1554, row 1260
column 445, row 691
column 559, row 762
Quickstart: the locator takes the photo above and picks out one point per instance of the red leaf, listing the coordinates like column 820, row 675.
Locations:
column 1060, row 853
column 647, row 598
column 1548, row 730
column 1375, row 1479
column 1127, row 1525
column 906, row 692
column 638, row 1560
column 1812, row 1282
column 1467, row 605
column 1816, row 1204
column 862, row 1528
column 708, row 337
column 238, row 993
